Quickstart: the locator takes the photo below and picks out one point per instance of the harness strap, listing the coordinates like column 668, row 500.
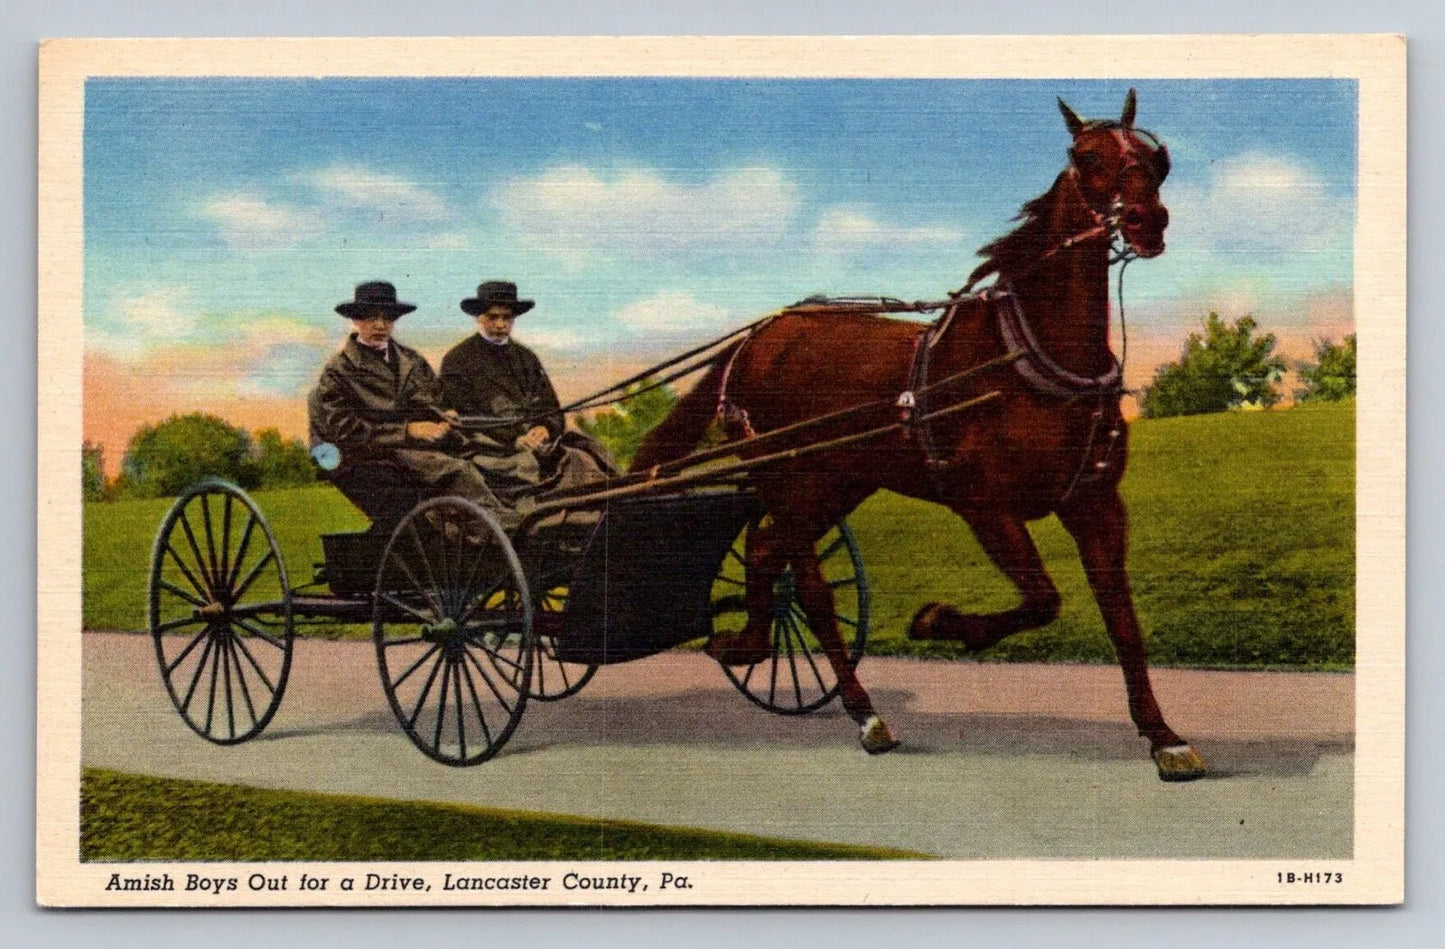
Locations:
column 725, row 409
column 913, row 401
column 1036, row 367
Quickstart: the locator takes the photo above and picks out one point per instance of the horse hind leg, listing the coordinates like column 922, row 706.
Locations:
column 764, row 560
column 1007, row 542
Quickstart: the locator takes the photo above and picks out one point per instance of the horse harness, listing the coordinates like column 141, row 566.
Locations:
column 1035, row 366
column 1037, row 369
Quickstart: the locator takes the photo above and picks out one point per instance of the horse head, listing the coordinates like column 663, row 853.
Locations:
column 1119, row 170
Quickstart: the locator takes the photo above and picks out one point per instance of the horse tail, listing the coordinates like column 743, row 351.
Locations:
column 689, row 420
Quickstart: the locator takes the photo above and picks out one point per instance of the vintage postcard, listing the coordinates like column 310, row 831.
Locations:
column 722, row 471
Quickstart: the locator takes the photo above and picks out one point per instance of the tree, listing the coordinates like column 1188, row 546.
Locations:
column 282, row 462
column 92, row 471
column 622, row 427
column 1331, row 376
column 164, row 458
column 1222, row 368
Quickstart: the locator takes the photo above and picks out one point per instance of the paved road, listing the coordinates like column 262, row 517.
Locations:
column 1019, row 761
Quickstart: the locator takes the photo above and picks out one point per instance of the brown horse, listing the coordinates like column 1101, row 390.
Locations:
column 1050, row 441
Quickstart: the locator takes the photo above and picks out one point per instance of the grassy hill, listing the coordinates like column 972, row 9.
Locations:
column 1242, row 550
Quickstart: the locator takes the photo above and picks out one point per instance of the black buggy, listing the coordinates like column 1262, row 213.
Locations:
column 470, row 622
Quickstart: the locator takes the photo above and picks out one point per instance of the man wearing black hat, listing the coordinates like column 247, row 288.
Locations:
column 491, row 375
column 378, row 404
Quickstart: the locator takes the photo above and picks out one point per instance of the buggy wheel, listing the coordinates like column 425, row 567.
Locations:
column 454, row 640
column 220, row 613
column 797, row 678
column 554, row 678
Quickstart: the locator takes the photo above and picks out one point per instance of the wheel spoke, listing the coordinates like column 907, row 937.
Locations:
column 226, row 670
column 187, row 651
column 425, row 560
column 211, row 700
column 722, row 579
column 476, row 702
column 210, row 535
column 251, row 577
column 488, row 680
column 226, row 540
column 479, row 601
column 415, row 665
column 408, row 609
column 196, row 551
column 808, row 655
column 241, row 551
column 190, row 577
column 442, row 703
column 416, row 585
column 245, row 651
column 773, row 667
column 426, row 691
column 196, row 676
column 792, row 659
column 178, row 623
column 845, row 582
column 241, row 681
column 172, row 588
column 444, row 570
column 461, row 712
column 258, row 632
column 493, row 654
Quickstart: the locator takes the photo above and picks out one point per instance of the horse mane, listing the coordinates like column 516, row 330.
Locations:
column 1025, row 243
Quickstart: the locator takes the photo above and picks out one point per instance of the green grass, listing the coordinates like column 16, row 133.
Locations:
column 132, row 817
column 1242, row 549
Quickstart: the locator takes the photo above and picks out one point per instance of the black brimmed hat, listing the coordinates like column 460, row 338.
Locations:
column 495, row 293
column 375, row 295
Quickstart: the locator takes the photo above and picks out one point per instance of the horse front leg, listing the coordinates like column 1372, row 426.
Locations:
column 1007, row 542
column 1099, row 525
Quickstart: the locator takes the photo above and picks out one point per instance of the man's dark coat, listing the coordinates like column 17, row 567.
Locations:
column 481, row 378
column 362, row 405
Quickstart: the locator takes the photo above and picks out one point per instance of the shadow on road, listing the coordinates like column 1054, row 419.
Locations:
column 711, row 717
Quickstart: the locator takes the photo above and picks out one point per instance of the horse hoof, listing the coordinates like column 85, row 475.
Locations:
column 737, row 650
column 877, row 737
column 1179, row 763
column 922, row 625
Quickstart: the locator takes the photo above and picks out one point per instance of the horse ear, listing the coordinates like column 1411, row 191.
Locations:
column 1131, row 102
column 1075, row 124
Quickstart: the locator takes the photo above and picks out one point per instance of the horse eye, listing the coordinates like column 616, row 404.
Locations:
column 1088, row 161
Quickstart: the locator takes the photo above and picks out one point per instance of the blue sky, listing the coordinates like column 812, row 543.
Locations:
column 227, row 217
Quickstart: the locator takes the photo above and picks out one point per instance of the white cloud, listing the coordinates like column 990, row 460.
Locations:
column 392, row 199
column 671, row 313
column 133, row 323
column 849, row 231
column 571, row 211
column 247, row 220
column 555, row 339
column 277, row 354
column 1262, row 205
